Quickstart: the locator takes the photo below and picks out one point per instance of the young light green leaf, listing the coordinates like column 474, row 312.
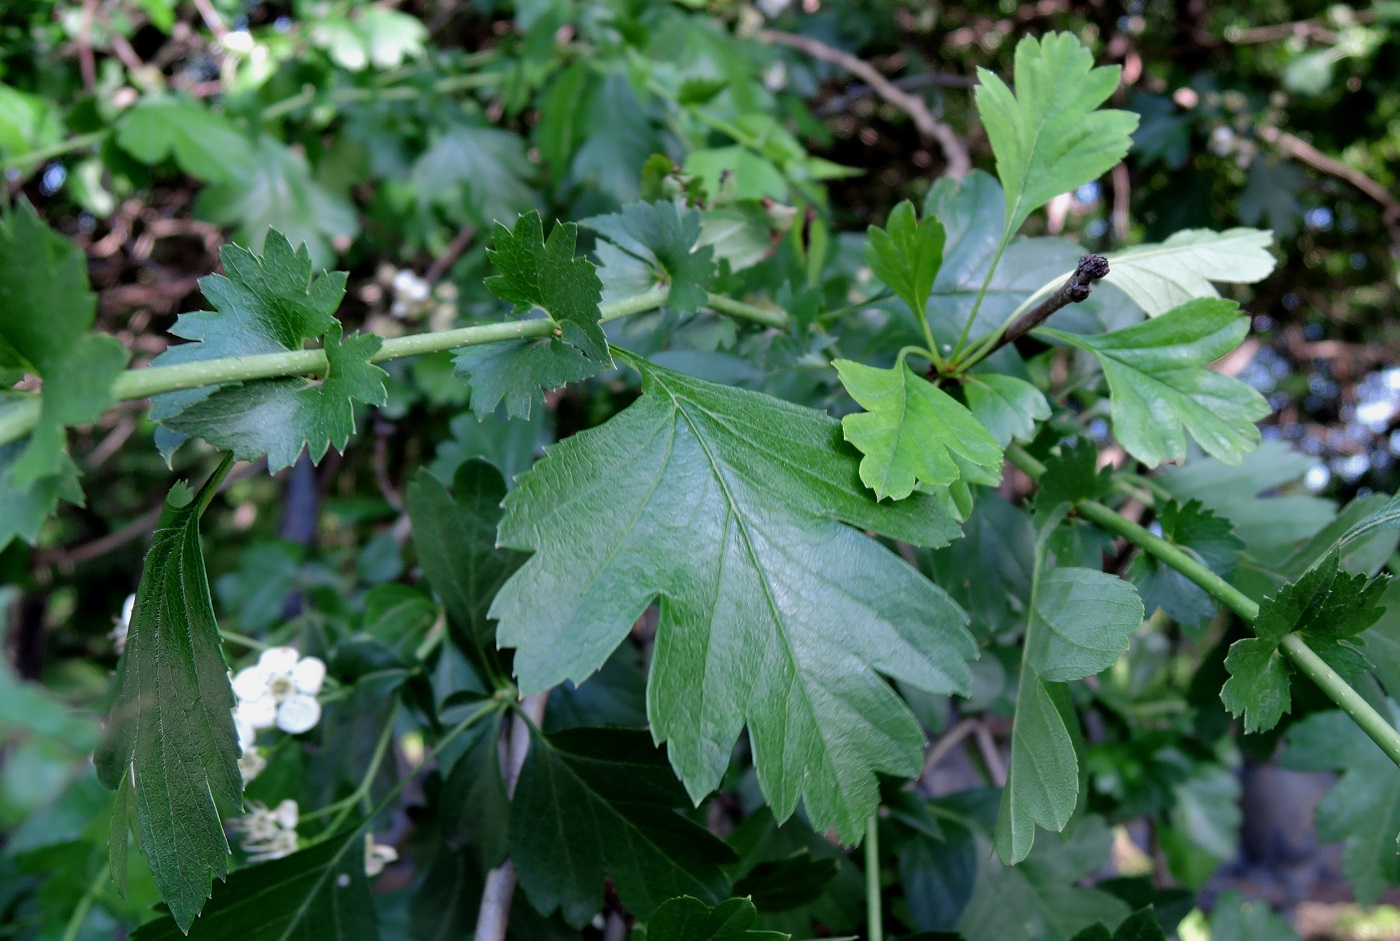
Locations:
column 731, row 507
column 1363, row 807
column 906, row 255
column 1327, row 607
column 665, row 236
column 46, row 310
column 318, row 894
column 1006, row 406
column 1048, row 138
column 545, row 274
column 280, row 417
column 519, row 373
column 912, row 432
column 204, row 144
column 1161, row 386
column 455, row 539
column 170, row 749
column 1162, row 276
column 1079, row 625
column 597, row 804
column 689, row 919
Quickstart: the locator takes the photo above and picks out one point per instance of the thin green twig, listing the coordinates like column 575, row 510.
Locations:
column 874, row 914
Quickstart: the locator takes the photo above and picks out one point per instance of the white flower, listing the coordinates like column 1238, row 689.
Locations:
column 377, row 856
column 251, row 763
column 280, row 690
column 269, row 834
column 123, row 624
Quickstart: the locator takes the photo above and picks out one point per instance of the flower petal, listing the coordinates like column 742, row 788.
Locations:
column 260, row 713
column 309, row 674
column 279, row 659
column 250, row 683
column 286, row 814
column 298, row 714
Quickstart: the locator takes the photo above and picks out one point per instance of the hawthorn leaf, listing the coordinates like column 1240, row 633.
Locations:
column 169, row 748
column 1237, row 918
column 1363, row 807
column 1141, row 925
column 545, row 274
column 1165, row 275
column 1071, row 476
column 1006, row 406
column 730, row 507
column 1162, row 387
column 204, row 144
column 24, row 509
column 474, row 805
column 689, row 919
column 906, row 255
column 454, row 536
column 598, row 804
column 1327, row 606
column 318, row 894
column 519, row 373
column 46, row 310
column 1080, row 622
column 280, row 417
column 1048, row 138
column 912, row 432
column 664, row 235
column 475, row 173
column 1210, row 538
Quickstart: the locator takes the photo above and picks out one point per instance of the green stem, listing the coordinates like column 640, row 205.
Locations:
column 80, row 911
column 874, row 915
column 79, row 142
column 345, row 805
column 981, row 293
column 1297, row 650
column 211, row 486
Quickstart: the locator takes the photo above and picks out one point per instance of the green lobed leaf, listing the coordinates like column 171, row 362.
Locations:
column 1161, row 386
column 280, row 417
column 46, row 310
column 519, row 373
column 318, row 894
column 454, row 536
column 1168, row 274
column 545, row 274
column 689, row 919
column 665, row 235
column 475, row 173
column 204, row 144
column 169, row 749
column 1210, row 538
column 1079, row 625
column 1141, row 925
column 731, row 508
column 1071, row 476
column 1327, row 607
column 906, row 255
column 912, row 432
column 24, row 509
column 1363, row 807
column 1048, row 138
column 597, row 804
column 1006, row 406
column 474, row 805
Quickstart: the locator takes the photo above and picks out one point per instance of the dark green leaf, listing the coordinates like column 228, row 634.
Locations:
column 203, row 143
column 455, row 540
column 170, row 749
column 988, row 571
column 912, row 432
column 519, row 373
column 475, row 805
column 1363, row 807
column 664, row 235
column 1239, row 919
column 1141, row 925
column 1157, row 372
column 938, row 877
column 536, row 273
column 318, row 894
column 597, row 804
column 1048, row 139
column 24, row 509
column 730, row 506
column 476, row 173
column 1071, row 476
column 780, row 885
column 689, row 919
column 1208, row 537
column 906, row 255
column 280, row 417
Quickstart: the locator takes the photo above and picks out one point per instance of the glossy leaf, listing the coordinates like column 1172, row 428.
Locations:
column 281, row 417
column 731, row 508
column 1363, row 807
column 318, row 894
column 545, row 274
column 169, row 749
column 912, row 432
column 46, row 311
column 597, row 804
column 1166, row 275
column 664, row 235
column 906, row 255
column 1048, row 138
column 1006, row 406
column 689, row 919
column 1162, row 389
